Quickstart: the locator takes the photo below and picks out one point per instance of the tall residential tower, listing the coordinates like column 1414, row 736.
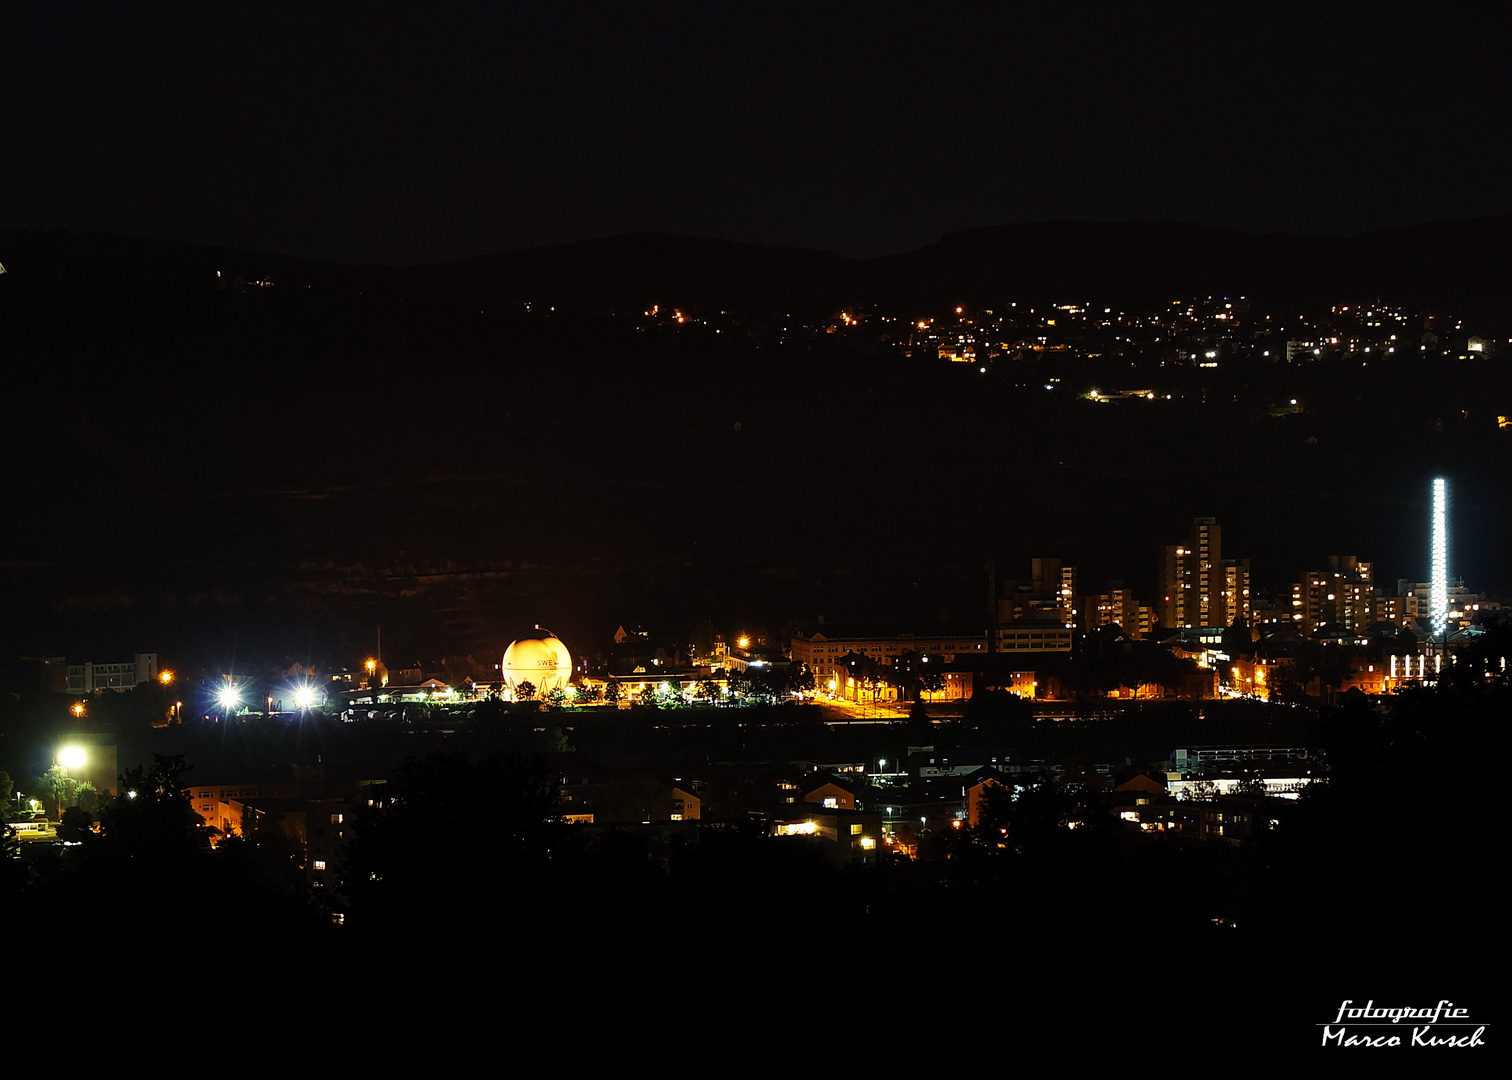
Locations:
column 1198, row 586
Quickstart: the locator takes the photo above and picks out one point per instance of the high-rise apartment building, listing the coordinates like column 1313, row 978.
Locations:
column 1198, row 587
column 1236, row 591
column 1056, row 584
column 1118, row 607
column 1050, row 594
column 1341, row 595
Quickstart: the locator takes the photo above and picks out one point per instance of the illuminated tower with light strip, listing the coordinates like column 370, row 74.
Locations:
column 1438, row 586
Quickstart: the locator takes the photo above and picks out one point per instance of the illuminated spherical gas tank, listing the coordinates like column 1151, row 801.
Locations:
column 542, row 662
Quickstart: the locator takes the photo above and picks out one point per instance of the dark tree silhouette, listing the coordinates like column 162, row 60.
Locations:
column 459, row 842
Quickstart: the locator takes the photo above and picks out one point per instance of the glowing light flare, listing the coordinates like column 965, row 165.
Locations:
column 72, row 757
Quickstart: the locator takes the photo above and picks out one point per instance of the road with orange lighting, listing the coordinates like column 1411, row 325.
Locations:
column 840, row 710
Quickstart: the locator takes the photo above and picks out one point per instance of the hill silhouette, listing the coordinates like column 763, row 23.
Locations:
column 1456, row 265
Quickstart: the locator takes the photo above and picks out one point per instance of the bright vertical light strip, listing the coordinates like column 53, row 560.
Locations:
column 1438, row 588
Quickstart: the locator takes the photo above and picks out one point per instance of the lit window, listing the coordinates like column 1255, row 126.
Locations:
column 320, row 864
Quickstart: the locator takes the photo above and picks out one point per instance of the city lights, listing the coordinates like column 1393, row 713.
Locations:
column 1129, row 588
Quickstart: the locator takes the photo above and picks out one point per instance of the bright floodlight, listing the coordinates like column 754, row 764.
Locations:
column 71, row 757
column 304, row 697
column 1438, row 587
column 228, row 697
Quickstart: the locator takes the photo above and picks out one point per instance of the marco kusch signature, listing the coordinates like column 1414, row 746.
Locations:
column 1441, row 1025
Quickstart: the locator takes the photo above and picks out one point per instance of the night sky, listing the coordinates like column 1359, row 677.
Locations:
column 425, row 132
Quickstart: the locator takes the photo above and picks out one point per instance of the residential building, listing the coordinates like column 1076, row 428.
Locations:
column 219, row 804
column 845, row 836
column 1118, row 607
column 87, row 677
column 828, row 792
column 1034, row 635
column 822, row 649
column 1464, row 605
column 1342, row 595
column 1050, row 593
column 1198, row 587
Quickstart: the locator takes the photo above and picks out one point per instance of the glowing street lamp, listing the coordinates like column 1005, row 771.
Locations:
column 166, row 678
column 77, row 708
